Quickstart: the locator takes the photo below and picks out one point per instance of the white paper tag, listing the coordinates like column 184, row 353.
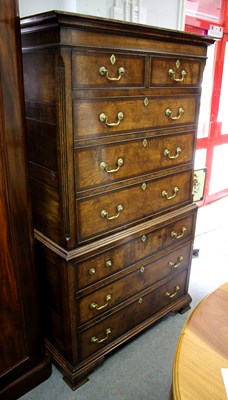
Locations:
column 225, row 378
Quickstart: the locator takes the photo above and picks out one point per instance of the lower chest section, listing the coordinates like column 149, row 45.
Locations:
column 103, row 297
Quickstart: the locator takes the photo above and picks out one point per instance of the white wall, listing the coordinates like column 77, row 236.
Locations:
column 29, row 7
column 163, row 13
column 100, row 8
column 168, row 14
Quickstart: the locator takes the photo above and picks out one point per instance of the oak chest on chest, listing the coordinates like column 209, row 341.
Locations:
column 112, row 113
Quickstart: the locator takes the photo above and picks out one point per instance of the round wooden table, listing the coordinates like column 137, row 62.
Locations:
column 202, row 351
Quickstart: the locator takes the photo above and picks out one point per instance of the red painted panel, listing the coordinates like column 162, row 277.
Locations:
column 200, row 26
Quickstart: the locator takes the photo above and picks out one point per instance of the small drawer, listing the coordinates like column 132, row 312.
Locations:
column 104, row 213
column 100, row 165
column 176, row 72
column 94, row 69
column 145, row 275
column 141, row 309
column 94, row 118
column 141, row 247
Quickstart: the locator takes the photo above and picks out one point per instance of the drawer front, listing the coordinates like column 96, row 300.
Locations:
column 175, row 72
column 104, row 118
column 104, row 213
column 93, row 69
column 148, row 243
column 109, row 329
column 105, row 164
column 145, row 275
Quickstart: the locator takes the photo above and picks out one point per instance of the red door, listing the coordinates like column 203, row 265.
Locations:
column 212, row 142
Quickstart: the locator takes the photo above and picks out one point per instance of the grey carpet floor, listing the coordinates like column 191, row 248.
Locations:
column 142, row 368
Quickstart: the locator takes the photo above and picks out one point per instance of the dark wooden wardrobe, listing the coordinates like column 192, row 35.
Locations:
column 23, row 363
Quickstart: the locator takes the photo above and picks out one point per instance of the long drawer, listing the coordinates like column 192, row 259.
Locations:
column 106, row 212
column 102, row 164
column 143, row 307
column 110, row 116
column 144, row 275
column 104, row 265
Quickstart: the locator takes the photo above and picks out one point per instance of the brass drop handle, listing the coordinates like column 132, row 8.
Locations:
column 176, row 264
column 167, row 153
column 104, row 72
column 175, row 234
column 119, row 164
column 171, row 295
column 103, row 118
column 169, row 113
column 172, row 75
column 166, row 195
column 94, row 339
column 94, row 306
column 105, row 214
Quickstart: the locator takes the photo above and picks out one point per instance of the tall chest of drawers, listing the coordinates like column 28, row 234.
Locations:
column 112, row 113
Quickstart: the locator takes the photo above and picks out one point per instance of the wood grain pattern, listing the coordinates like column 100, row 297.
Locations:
column 190, row 66
column 136, row 116
column 202, row 350
column 133, row 252
column 141, row 276
column 86, row 70
column 140, row 157
column 138, row 204
column 141, row 307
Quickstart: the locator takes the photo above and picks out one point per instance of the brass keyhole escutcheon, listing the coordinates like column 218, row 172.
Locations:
column 140, row 300
column 144, row 186
column 145, row 143
column 112, row 59
column 144, row 238
column 146, row 102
